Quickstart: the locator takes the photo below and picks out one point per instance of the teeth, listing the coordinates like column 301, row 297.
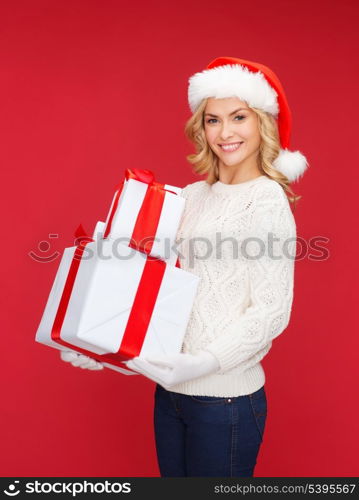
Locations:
column 230, row 148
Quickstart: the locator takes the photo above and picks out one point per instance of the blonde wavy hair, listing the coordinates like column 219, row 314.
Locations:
column 204, row 161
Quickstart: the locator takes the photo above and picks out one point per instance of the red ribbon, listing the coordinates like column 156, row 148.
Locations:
column 81, row 235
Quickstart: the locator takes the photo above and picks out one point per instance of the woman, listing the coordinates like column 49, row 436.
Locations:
column 238, row 234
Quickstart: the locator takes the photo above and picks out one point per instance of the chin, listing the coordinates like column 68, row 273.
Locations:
column 232, row 161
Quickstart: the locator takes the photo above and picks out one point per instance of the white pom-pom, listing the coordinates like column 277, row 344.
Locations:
column 292, row 164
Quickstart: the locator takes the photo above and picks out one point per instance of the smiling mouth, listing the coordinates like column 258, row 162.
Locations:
column 229, row 148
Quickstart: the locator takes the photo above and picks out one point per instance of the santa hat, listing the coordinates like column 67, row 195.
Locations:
column 260, row 88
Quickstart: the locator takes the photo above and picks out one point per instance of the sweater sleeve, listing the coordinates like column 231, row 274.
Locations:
column 269, row 256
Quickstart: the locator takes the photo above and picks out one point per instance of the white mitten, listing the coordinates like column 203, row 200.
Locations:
column 80, row 360
column 174, row 369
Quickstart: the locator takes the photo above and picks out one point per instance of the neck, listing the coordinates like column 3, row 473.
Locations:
column 236, row 175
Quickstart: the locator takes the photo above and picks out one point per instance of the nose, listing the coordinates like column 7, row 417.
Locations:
column 225, row 131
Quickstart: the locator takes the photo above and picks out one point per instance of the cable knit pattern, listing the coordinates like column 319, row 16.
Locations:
column 241, row 240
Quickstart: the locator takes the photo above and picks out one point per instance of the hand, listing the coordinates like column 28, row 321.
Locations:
column 80, row 360
column 174, row 369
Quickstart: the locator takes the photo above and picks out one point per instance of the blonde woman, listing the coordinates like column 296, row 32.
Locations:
column 238, row 234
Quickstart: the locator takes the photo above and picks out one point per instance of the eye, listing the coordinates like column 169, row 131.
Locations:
column 212, row 120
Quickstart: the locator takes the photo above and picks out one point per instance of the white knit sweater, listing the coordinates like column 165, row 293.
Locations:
column 242, row 303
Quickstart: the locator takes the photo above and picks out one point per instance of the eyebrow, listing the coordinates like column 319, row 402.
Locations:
column 233, row 112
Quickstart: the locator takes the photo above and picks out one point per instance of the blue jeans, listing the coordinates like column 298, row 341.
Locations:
column 207, row 436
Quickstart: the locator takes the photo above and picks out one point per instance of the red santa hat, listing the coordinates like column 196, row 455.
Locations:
column 260, row 88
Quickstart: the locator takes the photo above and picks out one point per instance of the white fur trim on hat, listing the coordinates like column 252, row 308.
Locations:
column 291, row 163
column 233, row 80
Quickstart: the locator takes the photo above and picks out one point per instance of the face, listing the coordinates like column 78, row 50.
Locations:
column 230, row 121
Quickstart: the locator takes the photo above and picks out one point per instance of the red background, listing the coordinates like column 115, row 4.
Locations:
column 89, row 88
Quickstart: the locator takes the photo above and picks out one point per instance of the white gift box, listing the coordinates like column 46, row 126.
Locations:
column 109, row 304
column 123, row 221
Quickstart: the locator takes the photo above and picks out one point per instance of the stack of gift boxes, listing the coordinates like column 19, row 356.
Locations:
column 122, row 293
